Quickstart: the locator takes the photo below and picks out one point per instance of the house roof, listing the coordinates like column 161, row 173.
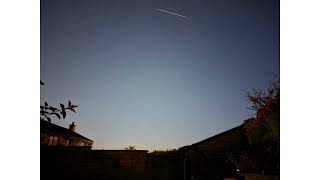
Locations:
column 45, row 125
column 222, row 134
column 217, row 146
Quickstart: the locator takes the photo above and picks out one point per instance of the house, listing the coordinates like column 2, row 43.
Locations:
column 210, row 157
column 54, row 135
column 231, row 154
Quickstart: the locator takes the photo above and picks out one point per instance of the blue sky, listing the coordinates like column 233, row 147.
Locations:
column 155, row 80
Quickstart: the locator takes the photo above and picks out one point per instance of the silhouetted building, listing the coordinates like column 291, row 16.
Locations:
column 208, row 159
column 54, row 135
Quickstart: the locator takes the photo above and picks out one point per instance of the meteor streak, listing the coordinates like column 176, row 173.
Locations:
column 172, row 13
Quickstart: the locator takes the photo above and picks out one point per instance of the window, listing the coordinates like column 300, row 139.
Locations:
column 67, row 143
column 50, row 141
column 53, row 141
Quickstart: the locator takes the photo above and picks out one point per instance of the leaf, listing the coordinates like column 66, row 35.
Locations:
column 49, row 119
column 72, row 110
column 52, row 108
column 41, row 83
column 57, row 115
column 62, row 107
column 41, row 107
column 45, row 104
column 63, row 114
column 74, row 106
column 43, row 112
column 69, row 104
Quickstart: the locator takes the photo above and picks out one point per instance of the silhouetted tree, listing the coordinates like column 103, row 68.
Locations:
column 259, row 98
column 266, row 125
column 262, row 132
column 130, row 147
column 47, row 111
column 164, row 152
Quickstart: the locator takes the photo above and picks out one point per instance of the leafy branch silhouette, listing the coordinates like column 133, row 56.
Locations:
column 259, row 98
column 47, row 111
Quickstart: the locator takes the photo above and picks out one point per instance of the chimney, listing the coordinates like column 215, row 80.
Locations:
column 72, row 126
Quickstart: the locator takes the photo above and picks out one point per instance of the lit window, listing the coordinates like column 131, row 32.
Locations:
column 50, row 141
column 53, row 141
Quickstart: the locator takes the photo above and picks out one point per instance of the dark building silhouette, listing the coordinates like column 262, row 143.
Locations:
column 54, row 135
column 209, row 158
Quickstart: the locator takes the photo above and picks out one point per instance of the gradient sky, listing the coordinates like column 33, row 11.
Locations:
column 151, row 79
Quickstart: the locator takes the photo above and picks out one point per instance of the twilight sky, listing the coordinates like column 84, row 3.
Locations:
column 152, row 79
